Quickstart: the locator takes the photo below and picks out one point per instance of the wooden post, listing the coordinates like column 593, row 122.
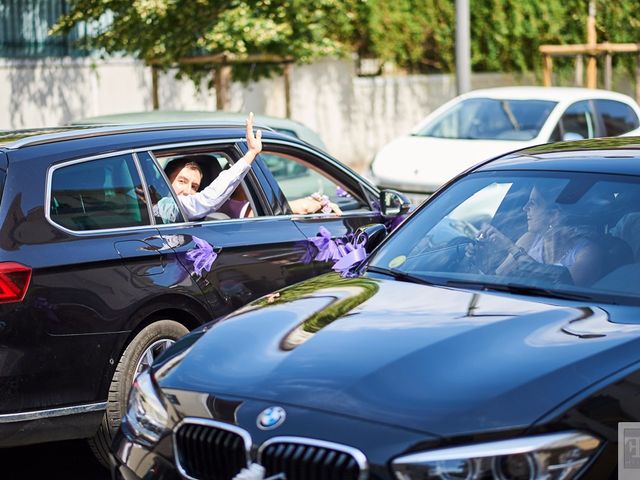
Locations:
column 608, row 71
column 592, row 74
column 222, row 79
column 579, row 71
column 287, row 89
column 155, row 100
column 547, row 69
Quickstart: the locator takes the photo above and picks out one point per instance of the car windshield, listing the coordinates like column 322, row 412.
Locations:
column 569, row 235
column 490, row 119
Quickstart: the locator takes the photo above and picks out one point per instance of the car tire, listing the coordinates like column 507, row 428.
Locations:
column 153, row 336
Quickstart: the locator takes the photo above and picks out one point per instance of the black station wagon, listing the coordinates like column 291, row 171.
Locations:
column 93, row 284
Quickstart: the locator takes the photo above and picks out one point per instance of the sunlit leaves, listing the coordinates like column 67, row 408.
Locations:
column 417, row 35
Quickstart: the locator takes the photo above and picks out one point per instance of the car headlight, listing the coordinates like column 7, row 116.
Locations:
column 146, row 415
column 550, row 457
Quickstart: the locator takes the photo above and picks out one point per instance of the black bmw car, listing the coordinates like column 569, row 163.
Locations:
column 95, row 283
column 494, row 334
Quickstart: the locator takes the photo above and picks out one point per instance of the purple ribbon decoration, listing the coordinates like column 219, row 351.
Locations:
column 327, row 248
column 341, row 192
column 352, row 250
column 202, row 256
column 345, row 251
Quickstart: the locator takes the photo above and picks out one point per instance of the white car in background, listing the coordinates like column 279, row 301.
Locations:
column 486, row 123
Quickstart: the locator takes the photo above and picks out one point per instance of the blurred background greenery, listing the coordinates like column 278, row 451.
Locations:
column 416, row 36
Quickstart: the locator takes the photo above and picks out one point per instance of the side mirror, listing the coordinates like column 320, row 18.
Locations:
column 571, row 136
column 393, row 203
column 373, row 234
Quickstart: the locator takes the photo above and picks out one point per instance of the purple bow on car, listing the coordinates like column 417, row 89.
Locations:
column 345, row 251
column 352, row 252
column 202, row 256
column 326, row 248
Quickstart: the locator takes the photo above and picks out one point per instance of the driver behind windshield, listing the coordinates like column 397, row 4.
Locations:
column 552, row 243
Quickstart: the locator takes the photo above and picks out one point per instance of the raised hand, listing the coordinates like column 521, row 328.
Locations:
column 254, row 142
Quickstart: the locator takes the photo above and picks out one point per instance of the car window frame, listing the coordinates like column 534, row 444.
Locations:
column 258, row 174
column 149, row 148
column 250, row 183
column 65, row 163
column 600, row 115
column 597, row 125
column 359, row 185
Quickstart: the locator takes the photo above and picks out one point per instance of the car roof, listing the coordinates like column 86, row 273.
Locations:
column 17, row 139
column 81, row 142
column 617, row 155
column 284, row 125
column 555, row 94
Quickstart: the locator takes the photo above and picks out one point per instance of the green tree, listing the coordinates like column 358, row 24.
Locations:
column 417, row 35
column 167, row 30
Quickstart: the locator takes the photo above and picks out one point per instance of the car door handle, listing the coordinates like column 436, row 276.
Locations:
column 129, row 250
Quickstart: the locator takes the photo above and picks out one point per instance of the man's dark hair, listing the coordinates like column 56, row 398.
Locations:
column 179, row 163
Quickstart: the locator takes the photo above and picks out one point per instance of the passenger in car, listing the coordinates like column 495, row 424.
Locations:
column 551, row 244
column 185, row 178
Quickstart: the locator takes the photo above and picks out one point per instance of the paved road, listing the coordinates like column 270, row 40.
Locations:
column 71, row 460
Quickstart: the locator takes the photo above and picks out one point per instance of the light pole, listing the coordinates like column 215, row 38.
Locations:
column 463, row 47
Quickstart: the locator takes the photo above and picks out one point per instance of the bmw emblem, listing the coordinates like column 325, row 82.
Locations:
column 271, row 417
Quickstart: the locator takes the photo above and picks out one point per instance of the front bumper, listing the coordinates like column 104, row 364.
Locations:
column 133, row 461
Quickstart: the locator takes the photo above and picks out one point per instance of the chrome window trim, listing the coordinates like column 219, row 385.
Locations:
column 497, row 448
column 359, row 457
column 150, row 149
column 246, row 438
column 52, row 412
column 82, row 233
column 47, row 201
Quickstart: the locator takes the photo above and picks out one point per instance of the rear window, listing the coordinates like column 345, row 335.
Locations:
column 618, row 117
column 98, row 194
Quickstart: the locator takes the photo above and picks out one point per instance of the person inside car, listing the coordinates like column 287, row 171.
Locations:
column 186, row 176
column 551, row 245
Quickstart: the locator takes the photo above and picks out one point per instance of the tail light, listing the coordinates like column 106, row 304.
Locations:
column 14, row 281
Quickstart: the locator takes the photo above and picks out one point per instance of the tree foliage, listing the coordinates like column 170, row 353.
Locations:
column 167, row 30
column 417, row 35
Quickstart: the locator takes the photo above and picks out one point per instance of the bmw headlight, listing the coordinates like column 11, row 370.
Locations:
column 146, row 416
column 550, row 457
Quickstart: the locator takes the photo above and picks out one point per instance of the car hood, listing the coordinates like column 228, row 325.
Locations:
column 425, row 163
column 438, row 360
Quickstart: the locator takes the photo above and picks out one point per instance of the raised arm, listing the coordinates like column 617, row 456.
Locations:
column 254, row 142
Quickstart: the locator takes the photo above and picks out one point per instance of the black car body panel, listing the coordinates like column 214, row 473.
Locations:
column 91, row 292
column 393, row 361
column 458, row 342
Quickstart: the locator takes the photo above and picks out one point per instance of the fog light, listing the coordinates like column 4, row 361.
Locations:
column 515, row 467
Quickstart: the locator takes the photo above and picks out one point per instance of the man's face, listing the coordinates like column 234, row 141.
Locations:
column 186, row 181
